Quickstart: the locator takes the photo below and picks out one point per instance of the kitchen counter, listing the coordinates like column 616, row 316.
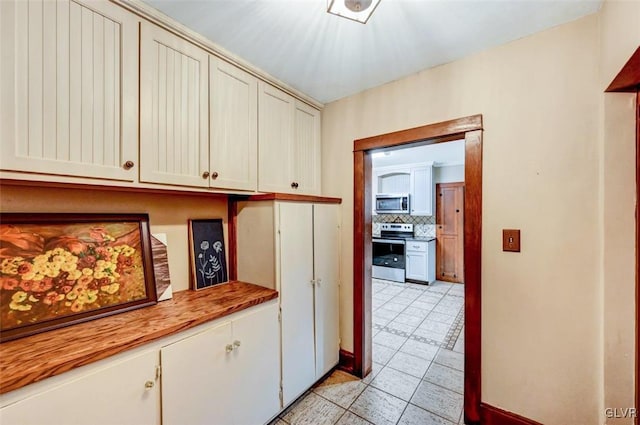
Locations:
column 422, row 239
column 34, row 358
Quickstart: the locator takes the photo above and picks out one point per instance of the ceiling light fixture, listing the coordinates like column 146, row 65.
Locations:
column 355, row 10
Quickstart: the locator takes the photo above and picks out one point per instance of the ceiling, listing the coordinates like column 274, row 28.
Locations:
column 327, row 57
column 441, row 154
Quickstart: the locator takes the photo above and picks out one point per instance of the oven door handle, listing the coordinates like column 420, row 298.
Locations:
column 391, row 241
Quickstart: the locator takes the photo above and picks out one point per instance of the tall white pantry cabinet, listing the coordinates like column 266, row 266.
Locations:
column 293, row 247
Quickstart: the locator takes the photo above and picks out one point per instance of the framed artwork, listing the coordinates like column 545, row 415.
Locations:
column 164, row 290
column 207, row 255
column 60, row 269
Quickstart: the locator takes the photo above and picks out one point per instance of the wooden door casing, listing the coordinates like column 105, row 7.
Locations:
column 449, row 232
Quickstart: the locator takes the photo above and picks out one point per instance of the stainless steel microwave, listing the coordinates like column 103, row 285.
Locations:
column 392, row 203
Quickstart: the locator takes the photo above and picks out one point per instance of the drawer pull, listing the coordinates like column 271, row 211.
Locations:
column 236, row 344
column 148, row 385
column 229, row 348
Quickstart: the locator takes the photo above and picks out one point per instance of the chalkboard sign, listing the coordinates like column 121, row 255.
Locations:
column 208, row 262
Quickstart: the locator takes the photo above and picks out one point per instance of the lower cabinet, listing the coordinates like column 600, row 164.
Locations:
column 228, row 374
column 123, row 392
column 297, row 256
column 420, row 261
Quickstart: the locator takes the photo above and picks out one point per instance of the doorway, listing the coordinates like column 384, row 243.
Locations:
column 469, row 129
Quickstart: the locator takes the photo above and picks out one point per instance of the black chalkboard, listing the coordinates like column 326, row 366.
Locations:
column 208, row 262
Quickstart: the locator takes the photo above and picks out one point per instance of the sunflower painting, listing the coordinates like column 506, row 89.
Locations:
column 59, row 269
column 208, row 260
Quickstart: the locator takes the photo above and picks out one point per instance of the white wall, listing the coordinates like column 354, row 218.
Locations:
column 620, row 37
column 448, row 174
column 541, row 99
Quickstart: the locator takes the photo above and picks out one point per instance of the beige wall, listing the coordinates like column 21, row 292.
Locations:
column 167, row 214
column 620, row 37
column 541, row 100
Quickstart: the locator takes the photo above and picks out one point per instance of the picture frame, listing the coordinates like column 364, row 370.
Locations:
column 159, row 251
column 62, row 269
column 207, row 253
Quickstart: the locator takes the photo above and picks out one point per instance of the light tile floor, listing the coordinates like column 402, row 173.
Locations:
column 418, row 364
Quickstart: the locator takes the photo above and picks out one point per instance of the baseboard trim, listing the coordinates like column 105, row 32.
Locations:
column 346, row 361
column 490, row 415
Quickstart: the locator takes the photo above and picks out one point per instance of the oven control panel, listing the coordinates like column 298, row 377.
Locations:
column 397, row 227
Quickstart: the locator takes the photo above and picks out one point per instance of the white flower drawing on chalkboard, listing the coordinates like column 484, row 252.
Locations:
column 210, row 264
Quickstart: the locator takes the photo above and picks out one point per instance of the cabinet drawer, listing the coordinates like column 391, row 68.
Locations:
column 416, row 246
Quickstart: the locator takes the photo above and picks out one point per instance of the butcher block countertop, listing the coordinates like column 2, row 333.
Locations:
column 54, row 352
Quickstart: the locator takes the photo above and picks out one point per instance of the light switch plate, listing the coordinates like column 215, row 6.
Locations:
column 511, row 240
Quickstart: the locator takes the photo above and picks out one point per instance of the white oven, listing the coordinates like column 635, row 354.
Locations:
column 389, row 251
column 388, row 259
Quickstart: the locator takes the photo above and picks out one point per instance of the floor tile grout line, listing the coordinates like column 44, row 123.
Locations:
column 441, row 346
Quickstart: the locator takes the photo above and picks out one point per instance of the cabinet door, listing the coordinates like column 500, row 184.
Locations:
column 296, row 298
column 233, row 109
column 115, row 394
column 256, row 366
column 416, row 265
column 69, row 83
column 197, row 379
column 326, row 234
column 306, row 150
column 421, row 191
column 174, row 117
column 275, row 139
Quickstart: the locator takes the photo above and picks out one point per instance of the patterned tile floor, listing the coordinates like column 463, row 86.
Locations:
column 418, row 360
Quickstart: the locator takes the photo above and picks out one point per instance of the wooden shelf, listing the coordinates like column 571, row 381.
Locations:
column 54, row 352
column 292, row 197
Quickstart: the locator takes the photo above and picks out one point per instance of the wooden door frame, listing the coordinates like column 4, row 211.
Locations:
column 469, row 129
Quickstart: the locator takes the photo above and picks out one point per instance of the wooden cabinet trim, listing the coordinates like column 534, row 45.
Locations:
column 52, row 353
column 294, row 198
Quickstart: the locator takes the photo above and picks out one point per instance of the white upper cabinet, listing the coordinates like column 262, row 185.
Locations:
column 306, row 148
column 289, row 143
column 174, row 114
column 233, row 111
column 275, row 138
column 69, row 83
column 422, row 190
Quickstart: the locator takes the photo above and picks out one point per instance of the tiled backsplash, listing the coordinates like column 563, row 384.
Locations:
column 423, row 225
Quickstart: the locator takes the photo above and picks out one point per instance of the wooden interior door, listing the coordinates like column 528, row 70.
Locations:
column 450, row 232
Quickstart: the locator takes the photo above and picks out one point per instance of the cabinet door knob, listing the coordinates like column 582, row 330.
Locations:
column 294, row 185
column 128, row 165
column 205, row 175
column 318, row 281
column 214, row 175
column 236, row 343
column 229, row 348
column 148, row 385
